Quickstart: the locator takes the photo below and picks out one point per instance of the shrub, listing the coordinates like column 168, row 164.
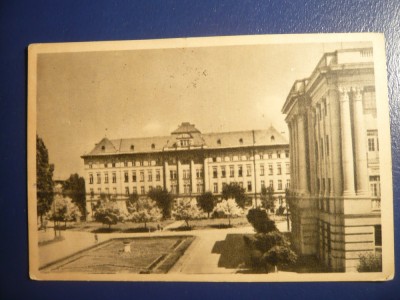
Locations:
column 258, row 218
column 370, row 262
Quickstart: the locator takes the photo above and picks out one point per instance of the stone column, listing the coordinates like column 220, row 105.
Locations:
column 360, row 145
column 302, row 156
column 205, row 175
column 347, row 144
column 335, row 142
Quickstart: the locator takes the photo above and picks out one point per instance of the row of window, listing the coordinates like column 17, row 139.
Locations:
column 223, row 170
column 126, row 177
column 247, row 157
column 324, row 185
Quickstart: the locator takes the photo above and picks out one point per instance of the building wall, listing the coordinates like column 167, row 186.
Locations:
column 188, row 173
column 335, row 160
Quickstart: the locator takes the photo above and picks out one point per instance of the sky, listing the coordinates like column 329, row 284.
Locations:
column 85, row 96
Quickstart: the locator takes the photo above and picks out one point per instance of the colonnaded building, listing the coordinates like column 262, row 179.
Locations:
column 334, row 148
column 188, row 163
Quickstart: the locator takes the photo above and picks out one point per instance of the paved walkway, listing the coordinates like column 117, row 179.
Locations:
column 214, row 251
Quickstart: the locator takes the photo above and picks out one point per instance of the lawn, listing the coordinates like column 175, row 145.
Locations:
column 148, row 255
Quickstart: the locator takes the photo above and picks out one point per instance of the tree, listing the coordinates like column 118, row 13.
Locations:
column 234, row 191
column 74, row 187
column 44, row 179
column 186, row 210
column 108, row 213
column 259, row 219
column 206, row 201
column 228, row 208
column 267, row 197
column 144, row 211
column 131, row 202
column 63, row 210
column 163, row 199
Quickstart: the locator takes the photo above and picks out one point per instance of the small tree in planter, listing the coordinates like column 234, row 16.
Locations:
column 144, row 211
column 207, row 201
column 259, row 219
column 108, row 213
column 228, row 208
column 186, row 210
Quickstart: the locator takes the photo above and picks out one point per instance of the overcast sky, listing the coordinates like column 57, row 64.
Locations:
column 84, row 96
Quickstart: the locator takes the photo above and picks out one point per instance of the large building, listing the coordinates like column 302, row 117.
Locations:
column 335, row 203
column 188, row 163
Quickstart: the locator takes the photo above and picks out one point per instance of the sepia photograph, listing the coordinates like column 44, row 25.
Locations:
column 243, row 158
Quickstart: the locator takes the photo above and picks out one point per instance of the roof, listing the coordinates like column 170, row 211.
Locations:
column 268, row 137
column 186, row 127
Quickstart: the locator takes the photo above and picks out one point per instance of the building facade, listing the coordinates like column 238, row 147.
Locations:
column 334, row 146
column 188, row 163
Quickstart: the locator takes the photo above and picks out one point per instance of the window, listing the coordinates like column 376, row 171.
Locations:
column 90, row 166
column 90, row 178
column 378, row 235
column 141, row 176
column 91, row 193
column 199, row 187
column 134, row 178
column 98, row 178
column 249, row 187
column 240, row 141
column 270, row 169
column 219, row 141
column 185, row 143
column 134, row 190
column 126, row 177
column 271, row 183
column 215, row 172
column 272, row 138
column 150, row 175
column 126, row 190
column 125, row 163
column 261, row 156
column 240, row 171
column 172, row 174
column 288, row 183
column 241, row 184
column 278, row 154
column 105, row 177
column 262, row 170
column 199, row 173
column 114, row 177
column 248, row 170
column 99, row 191
column 132, row 147
column 158, row 175
column 231, row 171
column 287, row 153
column 371, row 144
column 153, row 146
column 287, row 168
column 113, row 164
column 279, row 169
column 174, row 188
column 186, row 188
column 105, row 165
column 269, row 155
column 262, row 184
column 279, row 184
column 223, row 172
column 374, row 182
column 214, row 159
column 215, row 187
column 186, row 174
column 115, row 191
column 142, row 191
column 103, row 148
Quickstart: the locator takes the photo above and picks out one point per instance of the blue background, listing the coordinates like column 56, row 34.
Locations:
column 26, row 22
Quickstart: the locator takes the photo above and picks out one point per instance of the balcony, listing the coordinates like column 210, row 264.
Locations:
column 376, row 204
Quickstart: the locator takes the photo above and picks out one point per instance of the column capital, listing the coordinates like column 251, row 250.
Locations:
column 357, row 93
column 344, row 94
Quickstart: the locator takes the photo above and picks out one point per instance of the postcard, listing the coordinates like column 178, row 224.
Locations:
column 260, row 158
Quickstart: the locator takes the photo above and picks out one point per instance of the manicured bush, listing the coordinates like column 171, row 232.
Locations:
column 258, row 218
